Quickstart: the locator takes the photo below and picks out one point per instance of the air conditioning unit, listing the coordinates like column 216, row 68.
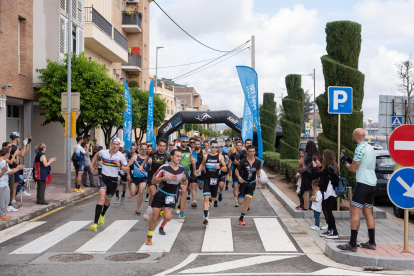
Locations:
column 132, row 1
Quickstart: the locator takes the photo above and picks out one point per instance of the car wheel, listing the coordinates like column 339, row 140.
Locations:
column 398, row 212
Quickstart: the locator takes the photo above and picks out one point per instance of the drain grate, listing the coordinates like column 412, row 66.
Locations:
column 127, row 257
column 68, row 258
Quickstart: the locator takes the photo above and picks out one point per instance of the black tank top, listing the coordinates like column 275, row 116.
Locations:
column 211, row 171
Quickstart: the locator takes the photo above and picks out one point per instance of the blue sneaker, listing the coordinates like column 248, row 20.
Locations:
column 181, row 215
column 146, row 199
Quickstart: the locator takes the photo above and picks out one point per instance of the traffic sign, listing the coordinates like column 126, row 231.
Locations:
column 307, row 132
column 307, row 126
column 339, row 100
column 401, row 145
column 396, row 121
column 400, row 188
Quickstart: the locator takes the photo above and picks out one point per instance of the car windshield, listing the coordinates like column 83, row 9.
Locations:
column 385, row 161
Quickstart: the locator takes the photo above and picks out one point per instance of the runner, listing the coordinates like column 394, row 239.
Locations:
column 243, row 153
column 235, row 158
column 112, row 162
column 196, row 173
column 223, row 175
column 206, row 147
column 246, row 174
column 186, row 161
column 158, row 158
column 123, row 178
column 79, row 164
column 226, row 149
column 169, row 178
column 171, row 146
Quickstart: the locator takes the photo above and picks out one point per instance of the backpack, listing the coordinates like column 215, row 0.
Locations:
column 341, row 188
column 75, row 158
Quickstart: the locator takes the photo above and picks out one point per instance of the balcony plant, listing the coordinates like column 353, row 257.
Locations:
column 129, row 11
column 133, row 84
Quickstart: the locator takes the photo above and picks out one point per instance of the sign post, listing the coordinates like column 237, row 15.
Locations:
column 339, row 102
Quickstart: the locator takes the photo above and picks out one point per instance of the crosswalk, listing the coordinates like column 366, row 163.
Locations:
column 218, row 236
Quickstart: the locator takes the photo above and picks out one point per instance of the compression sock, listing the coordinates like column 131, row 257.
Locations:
column 117, row 193
column 227, row 183
column 146, row 196
column 205, row 213
column 149, row 233
column 354, row 234
column 242, row 216
column 163, row 224
column 98, row 210
column 371, row 234
column 104, row 209
column 123, row 193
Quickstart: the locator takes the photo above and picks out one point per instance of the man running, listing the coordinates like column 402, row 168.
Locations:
column 235, row 158
column 243, row 153
column 223, row 175
column 186, row 163
column 214, row 163
column 79, row 165
column 112, row 162
column 159, row 157
column 171, row 146
column 246, row 174
column 169, row 178
column 123, row 178
column 196, row 173
column 226, row 149
column 139, row 177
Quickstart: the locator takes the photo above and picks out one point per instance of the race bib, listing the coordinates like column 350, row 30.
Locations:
column 169, row 199
column 213, row 181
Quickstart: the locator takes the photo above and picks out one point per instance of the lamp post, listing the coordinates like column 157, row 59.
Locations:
column 156, row 67
column 369, row 133
column 314, row 102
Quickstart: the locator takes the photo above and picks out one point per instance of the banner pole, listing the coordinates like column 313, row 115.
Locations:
column 339, row 156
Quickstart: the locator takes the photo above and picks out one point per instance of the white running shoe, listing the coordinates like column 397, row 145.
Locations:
column 314, row 227
column 177, row 211
column 324, row 227
column 26, row 193
column 12, row 209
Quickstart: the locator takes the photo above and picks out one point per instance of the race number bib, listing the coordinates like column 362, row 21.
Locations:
column 213, row 181
column 169, row 199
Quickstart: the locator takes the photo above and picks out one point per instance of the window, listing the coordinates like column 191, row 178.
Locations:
column 13, row 111
column 21, row 45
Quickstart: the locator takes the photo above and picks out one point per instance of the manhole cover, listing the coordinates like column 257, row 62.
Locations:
column 127, row 257
column 68, row 258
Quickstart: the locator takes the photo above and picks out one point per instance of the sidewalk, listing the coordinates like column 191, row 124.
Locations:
column 389, row 232
column 55, row 194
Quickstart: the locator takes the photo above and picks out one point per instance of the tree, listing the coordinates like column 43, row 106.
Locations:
column 227, row 132
column 340, row 68
column 406, row 75
column 140, row 111
column 291, row 124
column 268, row 120
column 101, row 97
column 307, row 109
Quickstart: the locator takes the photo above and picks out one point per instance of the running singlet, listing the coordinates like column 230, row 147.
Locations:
column 145, row 169
column 128, row 156
column 225, row 149
column 170, row 186
column 186, row 160
column 158, row 160
column 247, row 172
column 109, row 168
column 198, row 157
column 211, row 171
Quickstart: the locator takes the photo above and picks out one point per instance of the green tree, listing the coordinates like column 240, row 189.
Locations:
column 268, row 119
column 340, row 68
column 307, row 109
column 227, row 132
column 140, row 111
column 101, row 97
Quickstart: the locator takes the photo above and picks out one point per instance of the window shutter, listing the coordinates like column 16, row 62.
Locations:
column 63, row 38
column 74, row 9
column 80, row 11
column 79, row 41
column 63, row 5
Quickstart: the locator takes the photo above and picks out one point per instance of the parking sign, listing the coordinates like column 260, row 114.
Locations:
column 339, row 100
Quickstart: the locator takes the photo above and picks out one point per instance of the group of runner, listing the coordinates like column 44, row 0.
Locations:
column 172, row 176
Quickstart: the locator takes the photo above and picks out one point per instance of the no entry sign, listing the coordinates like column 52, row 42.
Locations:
column 401, row 145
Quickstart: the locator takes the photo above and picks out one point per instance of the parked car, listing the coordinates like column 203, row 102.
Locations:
column 375, row 146
column 384, row 168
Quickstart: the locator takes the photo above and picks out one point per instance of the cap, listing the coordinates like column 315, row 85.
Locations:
column 121, row 144
column 116, row 139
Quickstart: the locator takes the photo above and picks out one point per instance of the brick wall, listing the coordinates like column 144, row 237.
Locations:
column 12, row 12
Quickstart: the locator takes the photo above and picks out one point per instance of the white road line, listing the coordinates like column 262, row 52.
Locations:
column 162, row 243
column 19, row 229
column 236, row 264
column 107, row 238
column 403, row 145
column 218, row 236
column 273, row 237
column 50, row 239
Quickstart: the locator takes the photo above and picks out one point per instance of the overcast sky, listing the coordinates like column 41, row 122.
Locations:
column 290, row 39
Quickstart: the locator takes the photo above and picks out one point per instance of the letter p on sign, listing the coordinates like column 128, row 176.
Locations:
column 340, row 100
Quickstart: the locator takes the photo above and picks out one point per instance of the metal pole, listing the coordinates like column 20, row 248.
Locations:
column 69, row 106
column 406, row 229
column 253, row 53
column 156, row 69
column 339, row 154
column 314, row 106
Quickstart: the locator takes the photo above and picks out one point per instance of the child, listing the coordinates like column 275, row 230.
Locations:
column 316, row 203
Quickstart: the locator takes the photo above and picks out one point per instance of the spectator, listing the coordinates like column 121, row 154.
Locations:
column 99, row 161
column 316, row 203
column 5, row 171
column 87, row 171
column 79, row 164
column 10, row 161
column 364, row 165
column 88, row 140
column 42, row 173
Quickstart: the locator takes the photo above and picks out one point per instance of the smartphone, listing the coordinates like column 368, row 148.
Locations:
column 343, row 152
column 314, row 158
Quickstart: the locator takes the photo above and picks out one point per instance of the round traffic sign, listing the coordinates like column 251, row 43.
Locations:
column 400, row 188
column 401, row 145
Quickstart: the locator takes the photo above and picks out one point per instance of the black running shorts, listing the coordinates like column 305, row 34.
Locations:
column 363, row 195
column 210, row 187
column 109, row 184
column 159, row 201
column 246, row 190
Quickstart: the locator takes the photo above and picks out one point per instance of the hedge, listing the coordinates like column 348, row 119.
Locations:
column 268, row 120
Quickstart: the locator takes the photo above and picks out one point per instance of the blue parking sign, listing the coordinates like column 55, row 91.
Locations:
column 339, row 100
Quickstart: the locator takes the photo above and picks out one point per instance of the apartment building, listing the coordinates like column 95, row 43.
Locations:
column 188, row 95
column 16, row 69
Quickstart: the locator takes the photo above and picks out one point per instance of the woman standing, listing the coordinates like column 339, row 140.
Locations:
column 42, row 172
column 311, row 154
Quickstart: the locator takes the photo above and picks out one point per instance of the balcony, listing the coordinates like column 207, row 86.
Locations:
column 133, row 65
column 103, row 39
column 131, row 23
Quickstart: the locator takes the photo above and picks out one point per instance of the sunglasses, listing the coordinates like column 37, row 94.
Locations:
column 192, row 142
column 171, row 144
column 143, row 149
column 184, row 141
column 214, row 147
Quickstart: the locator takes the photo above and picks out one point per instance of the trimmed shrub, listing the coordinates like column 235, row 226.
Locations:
column 268, row 120
column 270, row 157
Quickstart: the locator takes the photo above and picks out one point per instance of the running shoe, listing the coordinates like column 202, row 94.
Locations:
column 220, row 197
column 347, row 246
column 368, row 245
column 194, row 204
column 161, row 213
column 181, row 215
column 332, row 235
column 226, row 188
column 161, row 231
column 137, row 212
column 324, row 234
column 215, row 203
column 122, row 200
column 205, row 221
column 24, row 193
column 242, row 222
column 149, row 240
column 101, row 220
column 188, row 198
column 237, row 204
column 77, row 190
column 324, row 227
column 81, row 190
column 5, row 217
column 129, row 196
column 116, row 200
column 12, row 209
column 314, row 227
column 94, row 227
column 177, row 211
column 148, row 214
column 146, row 199
column 248, row 209
column 211, row 204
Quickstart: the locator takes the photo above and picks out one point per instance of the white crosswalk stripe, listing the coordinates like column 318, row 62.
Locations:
column 273, row 237
column 19, row 229
column 164, row 243
column 218, row 236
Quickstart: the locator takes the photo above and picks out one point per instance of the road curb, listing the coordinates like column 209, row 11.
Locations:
column 358, row 259
column 48, row 208
column 291, row 206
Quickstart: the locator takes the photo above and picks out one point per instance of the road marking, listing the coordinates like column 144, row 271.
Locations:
column 19, row 229
column 107, row 238
column 218, row 236
column 50, row 239
column 403, row 145
column 237, row 264
column 162, row 243
column 273, row 237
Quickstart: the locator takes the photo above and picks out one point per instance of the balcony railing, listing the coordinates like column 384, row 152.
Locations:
column 168, row 111
column 92, row 15
column 118, row 37
column 132, row 19
column 133, row 61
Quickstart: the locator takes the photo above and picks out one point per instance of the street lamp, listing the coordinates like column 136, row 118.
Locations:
column 314, row 103
column 369, row 133
column 156, row 67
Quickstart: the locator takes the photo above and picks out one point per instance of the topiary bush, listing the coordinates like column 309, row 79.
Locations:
column 340, row 68
column 268, row 120
column 291, row 124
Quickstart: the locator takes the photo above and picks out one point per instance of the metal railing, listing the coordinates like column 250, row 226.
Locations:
column 132, row 19
column 92, row 15
column 118, row 37
column 133, row 61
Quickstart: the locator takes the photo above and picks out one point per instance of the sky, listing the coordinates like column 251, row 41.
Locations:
column 290, row 39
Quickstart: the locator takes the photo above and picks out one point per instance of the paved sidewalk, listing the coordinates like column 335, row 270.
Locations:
column 55, row 194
